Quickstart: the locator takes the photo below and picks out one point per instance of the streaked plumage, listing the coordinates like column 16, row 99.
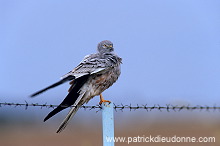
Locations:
column 94, row 74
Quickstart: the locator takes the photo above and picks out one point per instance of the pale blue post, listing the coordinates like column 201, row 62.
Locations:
column 107, row 124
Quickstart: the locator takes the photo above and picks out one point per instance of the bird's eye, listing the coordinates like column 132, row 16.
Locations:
column 104, row 45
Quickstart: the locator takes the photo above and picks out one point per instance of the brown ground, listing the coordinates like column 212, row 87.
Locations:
column 87, row 131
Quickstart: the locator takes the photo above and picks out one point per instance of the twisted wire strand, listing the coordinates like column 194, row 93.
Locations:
column 121, row 107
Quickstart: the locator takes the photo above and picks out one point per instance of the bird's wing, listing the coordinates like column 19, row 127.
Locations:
column 67, row 78
column 73, row 96
column 76, row 97
column 89, row 65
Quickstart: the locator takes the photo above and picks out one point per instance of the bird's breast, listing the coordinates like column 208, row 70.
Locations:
column 102, row 81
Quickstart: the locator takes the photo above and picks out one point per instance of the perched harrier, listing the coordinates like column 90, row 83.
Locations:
column 94, row 74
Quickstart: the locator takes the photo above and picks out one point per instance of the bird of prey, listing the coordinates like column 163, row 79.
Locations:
column 95, row 73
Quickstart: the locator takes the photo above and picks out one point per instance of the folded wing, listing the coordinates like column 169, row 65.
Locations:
column 67, row 78
column 71, row 97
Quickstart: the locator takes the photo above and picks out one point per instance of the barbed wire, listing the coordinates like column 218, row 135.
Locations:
column 121, row 107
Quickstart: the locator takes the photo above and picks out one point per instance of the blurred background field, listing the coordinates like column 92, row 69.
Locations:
column 26, row 127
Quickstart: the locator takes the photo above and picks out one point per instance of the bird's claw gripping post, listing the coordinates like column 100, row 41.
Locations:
column 103, row 100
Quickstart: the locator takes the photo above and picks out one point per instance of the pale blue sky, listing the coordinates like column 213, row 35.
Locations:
column 170, row 48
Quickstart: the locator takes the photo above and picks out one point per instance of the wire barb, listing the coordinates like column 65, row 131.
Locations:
column 121, row 107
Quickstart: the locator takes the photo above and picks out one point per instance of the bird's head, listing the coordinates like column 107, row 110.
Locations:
column 105, row 46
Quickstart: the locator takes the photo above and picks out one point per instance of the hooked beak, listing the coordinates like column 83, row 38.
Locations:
column 110, row 47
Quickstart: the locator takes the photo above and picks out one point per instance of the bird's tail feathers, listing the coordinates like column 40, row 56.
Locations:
column 69, row 116
column 79, row 102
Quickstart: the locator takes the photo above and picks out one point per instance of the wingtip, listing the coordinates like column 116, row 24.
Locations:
column 46, row 118
column 32, row 95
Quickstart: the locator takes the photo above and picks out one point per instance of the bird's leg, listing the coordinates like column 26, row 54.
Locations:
column 103, row 100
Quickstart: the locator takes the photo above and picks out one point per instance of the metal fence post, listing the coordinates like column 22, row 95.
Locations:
column 107, row 124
